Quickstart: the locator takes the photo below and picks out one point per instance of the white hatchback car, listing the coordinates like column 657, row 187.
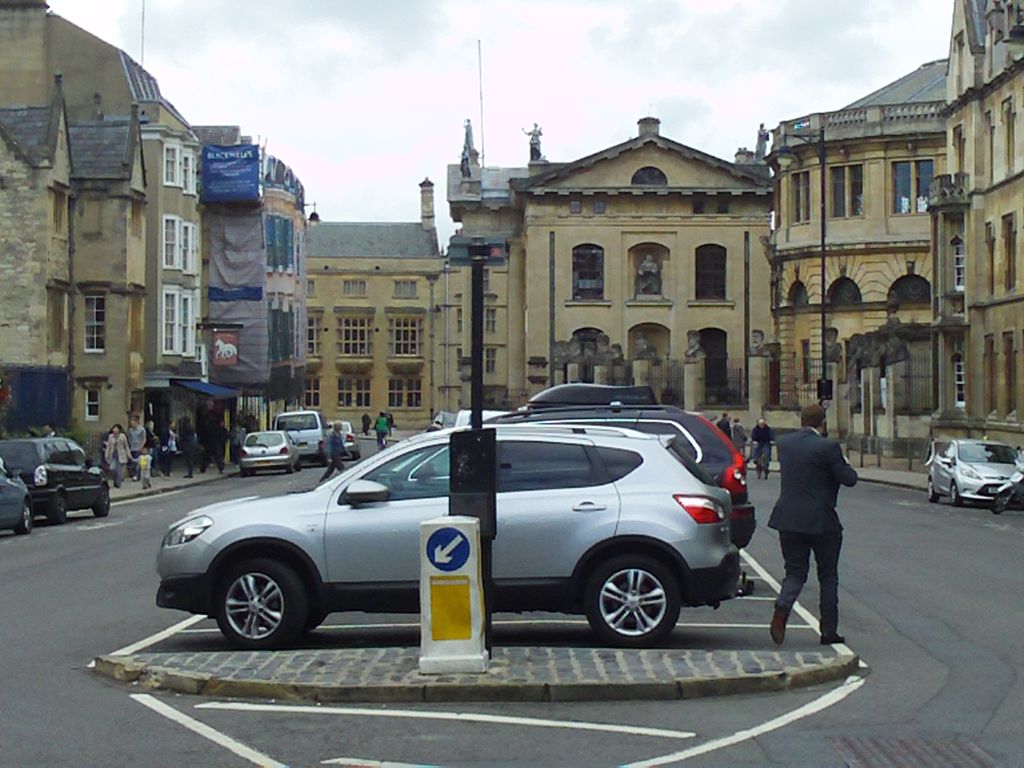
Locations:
column 615, row 524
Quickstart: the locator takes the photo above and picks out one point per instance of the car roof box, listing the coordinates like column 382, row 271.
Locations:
column 592, row 394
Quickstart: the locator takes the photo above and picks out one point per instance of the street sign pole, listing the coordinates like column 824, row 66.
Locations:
column 476, row 404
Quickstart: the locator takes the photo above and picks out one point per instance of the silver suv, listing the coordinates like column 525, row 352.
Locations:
column 603, row 521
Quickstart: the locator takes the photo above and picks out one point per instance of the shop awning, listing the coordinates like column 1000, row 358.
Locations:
column 215, row 391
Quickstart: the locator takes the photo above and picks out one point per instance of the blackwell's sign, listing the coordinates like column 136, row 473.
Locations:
column 231, row 174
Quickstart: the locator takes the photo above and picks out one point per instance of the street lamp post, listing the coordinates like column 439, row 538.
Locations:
column 785, row 159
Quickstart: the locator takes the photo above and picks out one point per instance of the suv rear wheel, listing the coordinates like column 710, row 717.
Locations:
column 57, row 514
column 261, row 604
column 632, row 601
column 102, row 506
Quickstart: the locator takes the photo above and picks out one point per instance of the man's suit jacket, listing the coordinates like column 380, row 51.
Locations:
column 812, row 469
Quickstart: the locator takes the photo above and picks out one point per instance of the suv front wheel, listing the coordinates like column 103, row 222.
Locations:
column 261, row 604
column 632, row 601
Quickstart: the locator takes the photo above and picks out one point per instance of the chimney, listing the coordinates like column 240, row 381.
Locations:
column 649, row 126
column 427, row 204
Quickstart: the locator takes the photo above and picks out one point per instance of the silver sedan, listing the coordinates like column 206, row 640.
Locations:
column 269, row 450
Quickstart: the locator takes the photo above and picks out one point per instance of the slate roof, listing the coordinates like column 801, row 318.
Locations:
column 29, row 127
column 495, row 183
column 335, row 240
column 222, row 135
column 924, row 84
column 101, row 150
column 144, row 87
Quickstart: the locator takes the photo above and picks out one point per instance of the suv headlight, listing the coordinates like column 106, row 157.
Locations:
column 39, row 477
column 187, row 530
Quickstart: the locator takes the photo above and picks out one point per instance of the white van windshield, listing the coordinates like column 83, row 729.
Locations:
column 297, row 422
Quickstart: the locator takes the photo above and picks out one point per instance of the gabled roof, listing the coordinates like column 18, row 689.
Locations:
column 144, row 87
column 102, row 150
column 335, row 240
column 29, row 128
column 564, row 170
column 926, row 83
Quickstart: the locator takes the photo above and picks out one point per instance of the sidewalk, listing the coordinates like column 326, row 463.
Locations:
column 131, row 489
column 892, row 472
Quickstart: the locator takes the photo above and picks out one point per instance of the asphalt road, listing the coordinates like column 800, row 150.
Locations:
column 928, row 601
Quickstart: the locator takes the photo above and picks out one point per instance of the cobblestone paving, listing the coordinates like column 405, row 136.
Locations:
column 531, row 673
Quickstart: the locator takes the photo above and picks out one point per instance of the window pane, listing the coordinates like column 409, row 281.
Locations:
column 925, row 170
column 856, row 190
column 587, row 272
column 838, row 192
column 710, row 267
column 528, row 466
column 901, row 188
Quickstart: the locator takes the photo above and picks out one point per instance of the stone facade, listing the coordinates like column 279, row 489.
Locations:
column 374, row 329
column 634, row 264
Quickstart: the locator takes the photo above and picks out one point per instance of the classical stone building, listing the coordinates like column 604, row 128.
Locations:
column 374, row 322
column 977, row 214
column 638, row 263
column 877, row 158
column 35, row 263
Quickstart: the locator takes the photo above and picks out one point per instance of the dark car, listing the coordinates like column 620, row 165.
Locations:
column 704, row 442
column 58, row 476
column 15, row 504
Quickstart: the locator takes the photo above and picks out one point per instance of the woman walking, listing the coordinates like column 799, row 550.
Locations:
column 116, row 453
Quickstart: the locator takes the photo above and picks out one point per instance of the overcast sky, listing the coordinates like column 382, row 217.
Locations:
column 365, row 99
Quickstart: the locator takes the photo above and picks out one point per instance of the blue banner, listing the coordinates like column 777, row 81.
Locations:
column 231, row 174
column 245, row 293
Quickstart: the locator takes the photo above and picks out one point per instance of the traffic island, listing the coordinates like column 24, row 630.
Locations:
column 540, row 674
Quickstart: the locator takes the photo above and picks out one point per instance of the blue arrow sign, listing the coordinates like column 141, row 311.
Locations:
column 447, row 549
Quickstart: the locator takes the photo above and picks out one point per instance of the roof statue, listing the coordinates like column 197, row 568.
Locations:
column 535, row 133
column 467, row 150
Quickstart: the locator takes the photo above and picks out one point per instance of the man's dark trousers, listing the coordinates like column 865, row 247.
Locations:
column 796, row 553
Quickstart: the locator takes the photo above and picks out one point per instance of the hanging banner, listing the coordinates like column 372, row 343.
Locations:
column 231, row 174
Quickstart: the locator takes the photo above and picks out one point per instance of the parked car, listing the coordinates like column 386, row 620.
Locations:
column 308, row 430
column 268, row 450
column 706, row 444
column 463, row 417
column 350, row 439
column 595, row 520
column 58, row 476
column 970, row 470
column 442, row 420
column 15, row 503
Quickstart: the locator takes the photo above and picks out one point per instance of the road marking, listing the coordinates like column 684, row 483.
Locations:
column 412, row 714
column 356, row 762
column 811, row 708
column 218, row 738
column 128, row 650
column 100, row 526
column 163, row 495
column 802, row 612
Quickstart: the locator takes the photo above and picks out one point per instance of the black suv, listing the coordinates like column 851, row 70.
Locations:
column 58, row 476
column 702, row 440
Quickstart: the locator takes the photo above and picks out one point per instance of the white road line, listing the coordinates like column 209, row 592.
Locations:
column 218, row 738
column 147, row 497
column 811, row 708
column 412, row 714
column 128, row 650
column 355, row 762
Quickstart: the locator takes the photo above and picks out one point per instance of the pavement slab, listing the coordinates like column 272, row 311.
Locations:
column 391, row 674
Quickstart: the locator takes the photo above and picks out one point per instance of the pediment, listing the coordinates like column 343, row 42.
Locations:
column 615, row 168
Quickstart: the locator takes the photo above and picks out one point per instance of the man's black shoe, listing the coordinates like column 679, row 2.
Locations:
column 832, row 639
column 778, row 625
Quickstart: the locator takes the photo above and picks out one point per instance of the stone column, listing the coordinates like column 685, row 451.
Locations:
column 572, row 372
column 872, row 399
column 641, row 372
column 757, row 368
column 600, row 374
column 693, row 384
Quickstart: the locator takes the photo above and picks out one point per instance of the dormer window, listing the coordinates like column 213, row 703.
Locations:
column 649, row 176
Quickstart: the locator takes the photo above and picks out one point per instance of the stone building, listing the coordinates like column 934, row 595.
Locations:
column 35, row 263
column 638, row 263
column 374, row 321
column 977, row 212
column 878, row 156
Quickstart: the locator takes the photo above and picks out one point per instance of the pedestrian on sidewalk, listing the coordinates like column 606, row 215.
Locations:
column 725, row 425
column 117, row 454
column 187, row 444
column 739, row 437
column 366, row 424
column 168, row 448
column 145, row 467
column 336, row 451
column 136, row 439
column 761, row 439
column 812, row 468
column 381, row 427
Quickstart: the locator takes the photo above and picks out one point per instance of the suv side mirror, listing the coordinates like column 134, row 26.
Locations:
column 364, row 492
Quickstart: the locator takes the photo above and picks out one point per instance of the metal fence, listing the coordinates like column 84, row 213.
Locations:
column 725, row 383
column 793, row 382
column 913, row 391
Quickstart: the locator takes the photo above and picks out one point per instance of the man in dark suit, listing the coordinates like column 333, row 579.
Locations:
column 812, row 469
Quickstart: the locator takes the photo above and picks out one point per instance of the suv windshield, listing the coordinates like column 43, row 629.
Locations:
column 19, row 457
column 297, row 422
column 987, row 453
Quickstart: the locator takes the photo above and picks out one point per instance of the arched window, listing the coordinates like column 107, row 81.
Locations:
column 649, row 176
column 844, row 292
column 798, row 295
column 587, row 272
column 911, row 289
column 959, row 381
column 956, row 245
column 710, row 272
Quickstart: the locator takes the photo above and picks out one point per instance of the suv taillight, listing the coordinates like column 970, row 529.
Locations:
column 734, row 478
column 703, row 511
column 39, row 477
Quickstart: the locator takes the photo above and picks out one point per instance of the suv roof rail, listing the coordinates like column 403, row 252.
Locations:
column 571, row 429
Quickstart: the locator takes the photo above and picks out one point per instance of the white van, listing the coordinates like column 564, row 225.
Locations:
column 308, row 431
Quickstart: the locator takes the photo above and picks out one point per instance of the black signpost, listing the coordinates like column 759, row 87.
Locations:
column 473, row 454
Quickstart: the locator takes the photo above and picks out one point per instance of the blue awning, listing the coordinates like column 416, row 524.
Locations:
column 215, row 391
